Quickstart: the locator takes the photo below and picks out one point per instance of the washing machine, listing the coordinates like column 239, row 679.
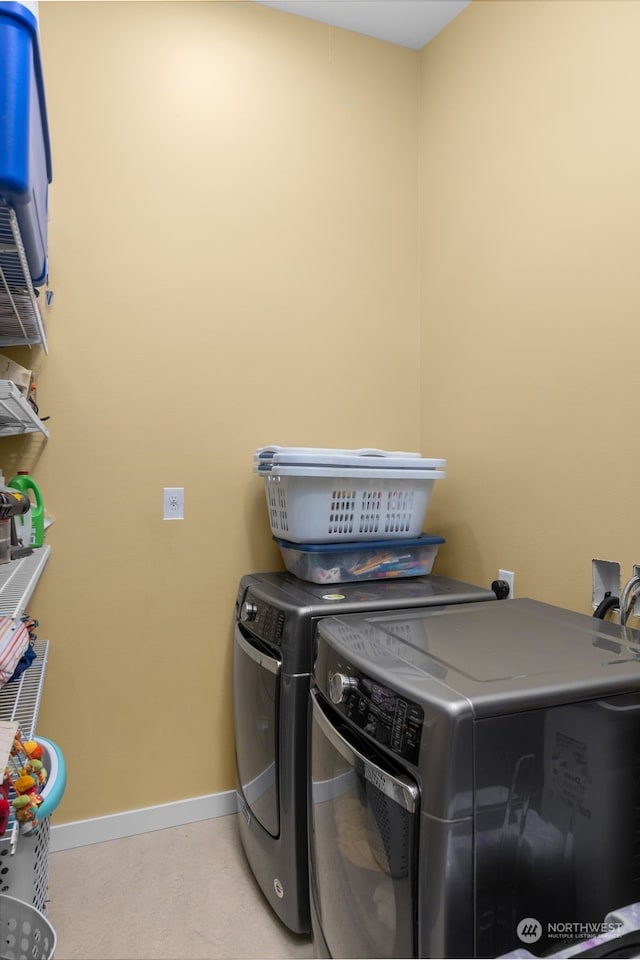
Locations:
column 475, row 780
column 276, row 616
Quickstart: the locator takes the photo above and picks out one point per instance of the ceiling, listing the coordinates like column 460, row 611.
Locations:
column 410, row 23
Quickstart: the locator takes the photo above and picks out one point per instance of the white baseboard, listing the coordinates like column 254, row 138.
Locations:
column 79, row 833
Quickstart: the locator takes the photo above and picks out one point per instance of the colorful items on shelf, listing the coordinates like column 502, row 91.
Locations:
column 5, row 806
column 26, row 775
column 17, row 638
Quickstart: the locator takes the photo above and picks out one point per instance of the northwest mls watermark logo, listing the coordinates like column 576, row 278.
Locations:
column 529, row 930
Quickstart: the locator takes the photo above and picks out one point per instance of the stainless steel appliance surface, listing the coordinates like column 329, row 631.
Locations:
column 276, row 616
column 471, row 767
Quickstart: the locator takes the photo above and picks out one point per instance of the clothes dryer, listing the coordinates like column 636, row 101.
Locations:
column 473, row 769
column 276, row 616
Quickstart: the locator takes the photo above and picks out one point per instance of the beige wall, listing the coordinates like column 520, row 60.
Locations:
column 265, row 230
column 530, row 217
column 234, row 256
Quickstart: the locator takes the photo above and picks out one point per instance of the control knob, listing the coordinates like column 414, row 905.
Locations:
column 341, row 687
column 248, row 611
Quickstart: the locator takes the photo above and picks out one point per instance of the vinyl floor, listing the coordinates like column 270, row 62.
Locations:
column 185, row 893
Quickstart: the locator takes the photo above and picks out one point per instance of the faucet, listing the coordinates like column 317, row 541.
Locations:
column 629, row 595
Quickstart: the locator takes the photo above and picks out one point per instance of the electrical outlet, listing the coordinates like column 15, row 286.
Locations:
column 173, row 503
column 510, row 577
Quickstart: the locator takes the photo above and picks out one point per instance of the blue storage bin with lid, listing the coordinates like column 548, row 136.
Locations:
column 362, row 560
column 25, row 153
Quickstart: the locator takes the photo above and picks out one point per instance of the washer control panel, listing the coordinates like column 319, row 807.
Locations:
column 391, row 719
column 263, row 619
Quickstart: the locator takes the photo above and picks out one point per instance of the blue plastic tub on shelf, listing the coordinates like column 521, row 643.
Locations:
column 362, row 560
column 25, row 153
column 24, row 863
column 54, row 788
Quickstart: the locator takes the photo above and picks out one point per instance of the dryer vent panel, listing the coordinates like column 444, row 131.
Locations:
column 606, row 580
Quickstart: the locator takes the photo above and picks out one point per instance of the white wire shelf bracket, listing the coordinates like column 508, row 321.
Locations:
column 16, row 413
column 20, row 316
column 18, row 580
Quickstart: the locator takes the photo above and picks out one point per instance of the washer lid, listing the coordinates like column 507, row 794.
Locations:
column 491, row 658
column 323, row 600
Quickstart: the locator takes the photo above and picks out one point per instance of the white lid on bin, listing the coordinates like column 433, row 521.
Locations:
column 361, row 462
column 265, row 453
column 348, row 472
column 312, row 459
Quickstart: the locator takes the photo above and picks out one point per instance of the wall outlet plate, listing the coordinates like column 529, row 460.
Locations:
column 509, row 577
column 173, row 503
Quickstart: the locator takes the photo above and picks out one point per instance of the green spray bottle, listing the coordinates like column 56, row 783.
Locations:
column 27, row 485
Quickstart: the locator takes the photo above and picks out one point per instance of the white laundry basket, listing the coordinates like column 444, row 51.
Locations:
column 26, row 934
column 327, row 504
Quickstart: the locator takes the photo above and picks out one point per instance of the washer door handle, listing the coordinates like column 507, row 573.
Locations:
column 402, row 792
column 257, row 655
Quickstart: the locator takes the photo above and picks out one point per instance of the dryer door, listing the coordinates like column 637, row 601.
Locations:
column 362, row 844
column 256, row 688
